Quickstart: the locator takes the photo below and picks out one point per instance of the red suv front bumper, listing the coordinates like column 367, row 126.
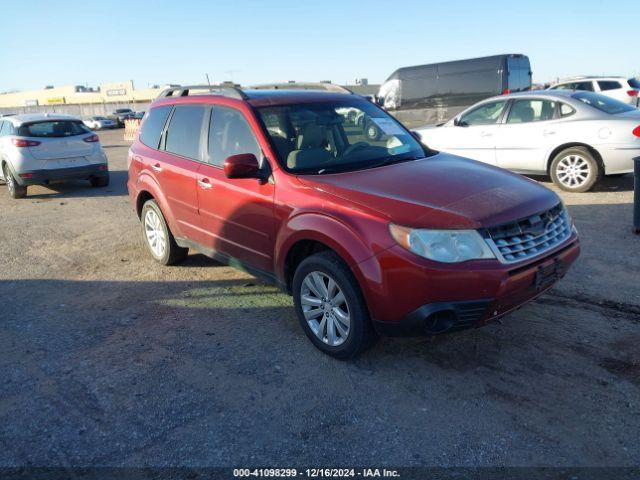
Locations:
column 408, row 295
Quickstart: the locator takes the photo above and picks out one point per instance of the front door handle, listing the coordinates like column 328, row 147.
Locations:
column 156, row 168
column 204, row 183
column 549, row 132
column 485, row 134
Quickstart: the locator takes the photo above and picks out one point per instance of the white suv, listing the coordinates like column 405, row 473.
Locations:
column 36, row 149
column 624, row 89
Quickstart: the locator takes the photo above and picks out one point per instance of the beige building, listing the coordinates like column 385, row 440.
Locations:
column 121, row 92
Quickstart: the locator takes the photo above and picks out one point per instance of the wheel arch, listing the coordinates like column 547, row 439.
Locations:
column 564, row 146
column 148, row 189
column 307, row 234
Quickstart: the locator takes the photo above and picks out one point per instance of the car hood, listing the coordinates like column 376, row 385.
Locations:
column 442, row 191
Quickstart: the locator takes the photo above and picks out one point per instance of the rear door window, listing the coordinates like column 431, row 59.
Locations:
column 183, row 133
column 230, row 134
column 609, row 85
column 151, row 129
column 485, row 114
column 525, row 110
column 53, row 129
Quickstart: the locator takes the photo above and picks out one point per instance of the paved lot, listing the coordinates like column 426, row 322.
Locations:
column 109, row 359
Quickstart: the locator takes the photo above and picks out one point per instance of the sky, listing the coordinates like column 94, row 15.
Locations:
column 88, row 43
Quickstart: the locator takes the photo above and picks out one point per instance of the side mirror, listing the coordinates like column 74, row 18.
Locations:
column 459, row 123
column 243, row 165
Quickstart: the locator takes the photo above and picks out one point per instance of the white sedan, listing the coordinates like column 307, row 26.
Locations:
column 99, row 123
column 576, row 137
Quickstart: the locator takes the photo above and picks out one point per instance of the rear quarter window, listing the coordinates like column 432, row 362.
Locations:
column 151, row 129
column 53, row 129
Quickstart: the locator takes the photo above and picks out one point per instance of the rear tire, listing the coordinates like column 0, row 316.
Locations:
column 330, row 306
column 100, row 181
column 575, row 170
column 158, row 238
column 15, row 190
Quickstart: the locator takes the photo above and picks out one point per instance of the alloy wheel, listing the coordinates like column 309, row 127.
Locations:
column 325, row 308
column 573, row 171
column 154, row 233
column 8, row 179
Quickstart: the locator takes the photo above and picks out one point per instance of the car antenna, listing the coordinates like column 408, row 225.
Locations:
column 208, row 82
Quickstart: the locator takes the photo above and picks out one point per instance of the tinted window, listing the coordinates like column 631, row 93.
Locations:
column 151, row 129
column 4, row 128
column 608, row 85
column 183, row 133
column 54, row 128
column 587, row 86
column 523, row 111
column 602, row 103
column 634, row 83
column 566, row 110
column 485, row 114
column 230, row 134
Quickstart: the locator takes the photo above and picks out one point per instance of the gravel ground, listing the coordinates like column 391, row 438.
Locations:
column 109, row 359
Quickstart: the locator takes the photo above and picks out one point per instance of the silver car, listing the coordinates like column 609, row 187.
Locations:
column 576, row 137
column 99, row 123
column 37, row 149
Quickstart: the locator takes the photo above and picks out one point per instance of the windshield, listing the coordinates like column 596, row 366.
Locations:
column 329, row 137
column 602, row 103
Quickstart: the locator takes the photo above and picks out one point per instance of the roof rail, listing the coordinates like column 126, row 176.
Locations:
column 185, row 90
column 329, row 87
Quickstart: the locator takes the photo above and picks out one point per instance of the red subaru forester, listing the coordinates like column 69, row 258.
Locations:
column 339, row 204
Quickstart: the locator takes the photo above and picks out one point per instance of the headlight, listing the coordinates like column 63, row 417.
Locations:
column 447, row 246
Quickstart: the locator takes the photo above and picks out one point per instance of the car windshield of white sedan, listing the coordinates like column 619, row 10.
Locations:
column 60, row 128
column 330, row 137
column 602, row 103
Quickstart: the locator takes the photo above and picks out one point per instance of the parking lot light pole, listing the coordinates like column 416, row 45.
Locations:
column 636, row 195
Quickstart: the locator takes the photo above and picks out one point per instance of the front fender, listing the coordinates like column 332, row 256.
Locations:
column 351, row 246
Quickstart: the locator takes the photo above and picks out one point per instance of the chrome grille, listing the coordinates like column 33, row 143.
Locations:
column 531, row 236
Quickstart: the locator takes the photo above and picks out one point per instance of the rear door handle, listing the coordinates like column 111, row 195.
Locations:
column 156, row 168
column 204, row 183
column 549, row 132
column 485, row 134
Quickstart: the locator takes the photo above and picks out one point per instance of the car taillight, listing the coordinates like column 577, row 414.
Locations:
column 92, row 138
column 21, row 142
column 506, row 91
column 632, row 93
column 636, row 131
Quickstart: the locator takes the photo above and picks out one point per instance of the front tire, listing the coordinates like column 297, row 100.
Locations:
column 575, row 170
column 15, row 190
column 330, row 306
column 157, row 236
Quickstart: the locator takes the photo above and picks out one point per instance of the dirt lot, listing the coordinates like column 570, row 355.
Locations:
column 109, row 359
